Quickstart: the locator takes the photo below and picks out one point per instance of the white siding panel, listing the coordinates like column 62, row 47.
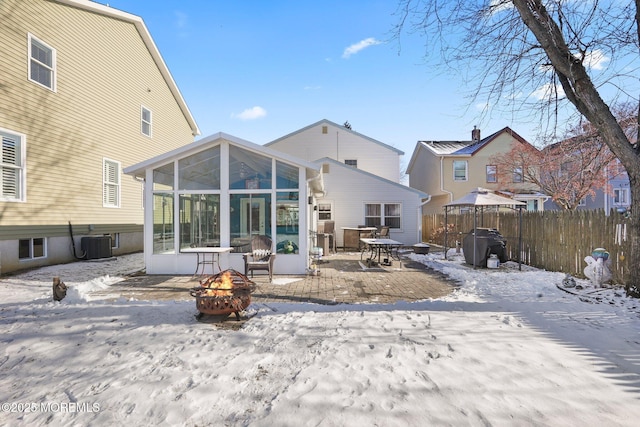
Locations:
column 350, row 190
column 340, row 144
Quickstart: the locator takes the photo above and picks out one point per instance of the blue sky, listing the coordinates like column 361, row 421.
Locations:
column 259, row 70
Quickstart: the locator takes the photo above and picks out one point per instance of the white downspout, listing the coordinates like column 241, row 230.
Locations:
column 450, row 193
column 420, row 217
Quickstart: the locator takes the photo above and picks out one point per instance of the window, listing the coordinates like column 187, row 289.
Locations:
column 200, row 171
column 325, row 130
column 145, row 119
column 459, row 170
column 199, row 220
column 42, row 63
column 517, row 175
column 492, row 173
column 324, row 211
column 12, row 168
column 620, row 196
column 351, row 162
column 249, row 170
column 287, row 222
column 32, row 248
column 287, row 176
column 111, row 184
column 389, row 214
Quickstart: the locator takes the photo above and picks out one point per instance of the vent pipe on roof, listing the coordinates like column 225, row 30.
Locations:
column 475, row 135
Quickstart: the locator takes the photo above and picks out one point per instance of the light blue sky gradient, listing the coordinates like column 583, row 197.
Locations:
column 259, row 70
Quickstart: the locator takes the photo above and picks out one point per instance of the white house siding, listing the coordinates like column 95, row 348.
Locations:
column 350, row 189
column 341, row 144
column 104, row 73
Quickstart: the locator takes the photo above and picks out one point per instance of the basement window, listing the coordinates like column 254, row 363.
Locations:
column 32, row 248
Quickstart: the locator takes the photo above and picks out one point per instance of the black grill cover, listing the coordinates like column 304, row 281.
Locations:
column 488, row 241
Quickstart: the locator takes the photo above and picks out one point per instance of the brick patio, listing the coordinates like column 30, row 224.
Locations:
column 342, row 279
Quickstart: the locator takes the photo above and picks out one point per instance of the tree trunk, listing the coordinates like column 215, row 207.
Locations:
column 583, row 94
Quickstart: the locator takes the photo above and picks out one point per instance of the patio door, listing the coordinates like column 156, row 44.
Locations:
column 252, row 216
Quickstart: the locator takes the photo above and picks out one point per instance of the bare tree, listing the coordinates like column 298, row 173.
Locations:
column 569, row 171
column 554, row 47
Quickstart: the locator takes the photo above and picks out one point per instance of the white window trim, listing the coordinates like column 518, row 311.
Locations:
column 44, row 252
column 518, row 172
column 54, row 61
column 625, row 191
column 331, row 209
column 22, row 197
column 382, row 216
column 142, row 121
column 495, row 174
column 466, row 170
column 104, row 183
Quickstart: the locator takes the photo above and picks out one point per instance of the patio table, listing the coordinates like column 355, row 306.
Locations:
column 202, row 260
column 379, row 246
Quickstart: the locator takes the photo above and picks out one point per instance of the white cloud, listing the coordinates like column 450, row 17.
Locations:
column 357, row 47
column 181, row 19
column 546, row 91
column 250, row 113
column 482, row 106
column 595, row 59
column 496, row 6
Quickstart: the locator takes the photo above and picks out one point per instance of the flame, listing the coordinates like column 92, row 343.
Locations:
column 222, row 286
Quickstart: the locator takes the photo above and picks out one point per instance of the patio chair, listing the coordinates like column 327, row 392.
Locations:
column 330, row 231
column 383, row 232
column 261, row 256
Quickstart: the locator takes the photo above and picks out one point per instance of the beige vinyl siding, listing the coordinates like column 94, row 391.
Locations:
column 104, row 74
column 425, row 173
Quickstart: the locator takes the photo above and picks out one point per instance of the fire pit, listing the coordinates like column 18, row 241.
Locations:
column 224, row 293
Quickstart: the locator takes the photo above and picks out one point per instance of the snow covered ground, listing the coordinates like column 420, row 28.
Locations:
column 506, row 348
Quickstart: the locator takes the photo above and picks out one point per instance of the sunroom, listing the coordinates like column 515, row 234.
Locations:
column 222, row 191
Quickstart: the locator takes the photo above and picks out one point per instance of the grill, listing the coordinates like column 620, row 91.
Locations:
column 224, row 293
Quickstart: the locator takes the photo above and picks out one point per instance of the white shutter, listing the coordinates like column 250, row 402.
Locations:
column 10, row 167
column 111, row 187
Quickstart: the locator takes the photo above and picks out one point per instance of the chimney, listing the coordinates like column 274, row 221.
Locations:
column 475, row 135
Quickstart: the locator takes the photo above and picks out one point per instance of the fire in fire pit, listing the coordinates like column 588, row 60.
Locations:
column 224, row 293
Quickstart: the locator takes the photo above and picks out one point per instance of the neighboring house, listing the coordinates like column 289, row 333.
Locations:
column 327, row 139
column 83, row 91
column 222, row 191
column 354, row 197
column 615, row 195
column 361, row 180
column 448, row 170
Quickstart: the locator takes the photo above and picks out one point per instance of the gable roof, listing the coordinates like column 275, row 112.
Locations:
column 460, row 148
column 137, row 21
column 330, row 123
column 419, row 193
column 138, row 170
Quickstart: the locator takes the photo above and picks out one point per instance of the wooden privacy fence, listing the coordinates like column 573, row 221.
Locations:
column 551, row 240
